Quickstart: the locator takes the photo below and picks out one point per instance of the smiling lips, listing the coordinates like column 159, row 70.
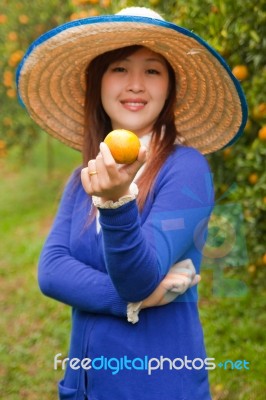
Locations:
column 133, row 104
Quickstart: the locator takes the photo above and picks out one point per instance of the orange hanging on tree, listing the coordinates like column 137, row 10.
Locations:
column 240, row 72
column 262, row 133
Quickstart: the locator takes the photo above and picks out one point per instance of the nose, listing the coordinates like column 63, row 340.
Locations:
column 135, row 82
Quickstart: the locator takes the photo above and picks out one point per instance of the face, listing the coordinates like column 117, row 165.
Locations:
column 134, row 90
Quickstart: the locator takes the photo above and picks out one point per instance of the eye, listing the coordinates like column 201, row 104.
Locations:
column 118, row 69
column 153, row 71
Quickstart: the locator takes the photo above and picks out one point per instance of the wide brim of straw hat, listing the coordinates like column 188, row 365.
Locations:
column 210, row 112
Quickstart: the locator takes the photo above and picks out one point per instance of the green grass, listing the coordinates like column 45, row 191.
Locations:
column 35, row 328
column 235, row 330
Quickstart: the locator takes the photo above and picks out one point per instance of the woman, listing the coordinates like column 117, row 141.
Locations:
column 127, row 257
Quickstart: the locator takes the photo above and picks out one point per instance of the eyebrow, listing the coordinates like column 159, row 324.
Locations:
column 156, row 59
column 152, row 59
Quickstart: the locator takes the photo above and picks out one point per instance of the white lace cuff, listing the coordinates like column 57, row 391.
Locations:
column 133, row 310
column 97, row 201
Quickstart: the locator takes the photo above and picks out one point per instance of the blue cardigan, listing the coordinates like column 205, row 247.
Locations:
column 97, row 273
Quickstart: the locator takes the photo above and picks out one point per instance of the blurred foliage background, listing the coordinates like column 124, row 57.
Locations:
column 237, row 30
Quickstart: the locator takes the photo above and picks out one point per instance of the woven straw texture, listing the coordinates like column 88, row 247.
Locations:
column 209, row 108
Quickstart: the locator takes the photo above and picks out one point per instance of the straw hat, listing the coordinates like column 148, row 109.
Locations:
column 211, row 110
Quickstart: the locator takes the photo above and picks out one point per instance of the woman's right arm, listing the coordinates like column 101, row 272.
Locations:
column 66, row 279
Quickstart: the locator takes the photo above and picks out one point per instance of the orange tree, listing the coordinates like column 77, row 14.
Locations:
column 20, row 23
column 235, row 28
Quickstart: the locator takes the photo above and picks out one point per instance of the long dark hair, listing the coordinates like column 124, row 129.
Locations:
column 97, row 123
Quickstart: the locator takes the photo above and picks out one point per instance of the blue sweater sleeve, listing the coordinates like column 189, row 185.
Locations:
column 138, row 255
column 68, row 280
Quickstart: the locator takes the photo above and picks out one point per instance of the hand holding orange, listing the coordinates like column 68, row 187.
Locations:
column 124, row 145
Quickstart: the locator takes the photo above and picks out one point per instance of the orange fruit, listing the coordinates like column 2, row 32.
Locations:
column 215, row 10
column 262, row 133
column 23, row 19
column 2, row 145
column 3, row 18
column 259, row 111
column 11, row 93
column 8, row 78
column 240, row 72
column 105, row 3
column 253, row 178
column 15, row 58
column 124, row 145
column 93, row 12
column 227, row 152
column 13, row 36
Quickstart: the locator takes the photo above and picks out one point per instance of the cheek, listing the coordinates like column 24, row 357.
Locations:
column 104, row 88
column 109, row 85
column 106, row 93
column 163, row 93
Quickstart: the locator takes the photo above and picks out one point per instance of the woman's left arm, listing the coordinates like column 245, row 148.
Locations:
column 139, row 256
